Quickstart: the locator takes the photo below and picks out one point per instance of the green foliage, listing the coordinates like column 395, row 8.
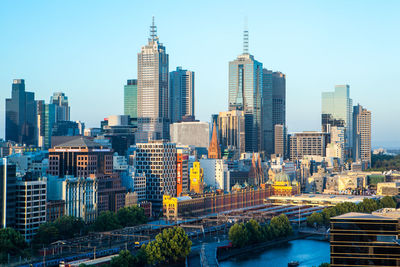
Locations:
column 168, row 247
column 238, row 235
column 131, row 216
column 252, row 232
column 385, row 162
column 63, row 228
column 366, row 206
column 124, row 259
column 106, row 221
column 325, row 264
column 11, row 242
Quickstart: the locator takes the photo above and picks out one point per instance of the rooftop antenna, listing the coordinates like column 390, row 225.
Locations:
column 245, row 38
column 153, row 30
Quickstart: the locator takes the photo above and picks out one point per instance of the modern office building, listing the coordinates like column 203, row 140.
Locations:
column 336, row 147
column 21, row 115
column 182, row 171
column 157, row 160
column 60, row 100
column 66, row 128
column 46, row 118
column 362, row 135
column 280, row 140
column 266, row 113
column 215, row 173
column 152, row 94
column 308, row 144
column 130, row 99
column 245, row 94
column 181, row 94
column 120, row 132
column 360, row 239
column 337, row 110
column 30, row 210
column 231, row 125
column 193, row 133
column 7, row 193
column 80, row 157
column 80, row 197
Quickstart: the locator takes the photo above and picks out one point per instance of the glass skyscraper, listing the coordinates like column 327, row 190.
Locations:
column 60, row 100
column 46, row 118
column 245, row 93
column 21, row 115
column 130, row 99
column 181, row 94
column 337, row 110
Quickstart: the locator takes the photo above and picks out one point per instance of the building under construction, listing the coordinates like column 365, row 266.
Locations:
column 179, row 207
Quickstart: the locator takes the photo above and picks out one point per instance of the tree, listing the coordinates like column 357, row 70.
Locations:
column 106, row 221
column 131, row 216
column 124, row 259
column 324, row 265
column 69, row 226
column 11, row 242
column 47, row 233
column 169, row 246
column 238, row 235
column 254, row 231
column 315, row 219
column 387, row 202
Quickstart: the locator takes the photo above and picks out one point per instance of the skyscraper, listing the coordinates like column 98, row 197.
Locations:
column 7, row 193
column 245, row 93
column 337, row 111
column 46, row 118
column 153, row 122
column 60, row 100
column 181, row 94
column 231, row 125
column 362, row 135
column 130, row 99
column 21, row 115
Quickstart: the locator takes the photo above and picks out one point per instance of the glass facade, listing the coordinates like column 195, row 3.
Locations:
column 337, row 110
column 130, row 99
column 359, row 239
column 46, row 120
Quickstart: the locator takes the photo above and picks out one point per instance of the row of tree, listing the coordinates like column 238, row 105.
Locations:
column 251, row 232
column 68, row 227
column 170, row 246
column 366, row 206
column 385, row 162
column 12, row 243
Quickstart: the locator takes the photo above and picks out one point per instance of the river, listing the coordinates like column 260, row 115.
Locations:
column 307, row 252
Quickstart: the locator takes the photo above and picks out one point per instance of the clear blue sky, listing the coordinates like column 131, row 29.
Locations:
column 88, row 49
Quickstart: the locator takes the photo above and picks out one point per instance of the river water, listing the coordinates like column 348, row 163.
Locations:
column 307, row 252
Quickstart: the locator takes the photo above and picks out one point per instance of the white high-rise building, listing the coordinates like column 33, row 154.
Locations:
column 362, row 135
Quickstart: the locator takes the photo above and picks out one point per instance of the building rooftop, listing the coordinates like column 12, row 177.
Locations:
column 80, row 142
column 322, row 198
column 358, row 215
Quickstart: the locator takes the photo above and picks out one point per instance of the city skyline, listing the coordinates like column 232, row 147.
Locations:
column 300, row 114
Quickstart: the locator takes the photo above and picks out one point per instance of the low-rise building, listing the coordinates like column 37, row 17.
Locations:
column 388, row 189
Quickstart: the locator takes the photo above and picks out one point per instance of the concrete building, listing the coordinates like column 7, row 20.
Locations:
column 388, row 189
column 182, row 171
column 7, row 193
column 359, row 239
column 80, row 197
column 190, row 134
column 30, row 210
column 231, row 131
column 280, row 140
column 157, row 161
column 307, row 144
column 80, row 157
column 215, row 173
column 60, row 100
column 181, row 94
column 336, row 147
column 152, row 86
column 362, row 135
column 337, row 110
column 20, row 114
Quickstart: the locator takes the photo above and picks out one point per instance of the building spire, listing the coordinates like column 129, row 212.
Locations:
column 153, row 31
column 245, row 38
column 214, row 150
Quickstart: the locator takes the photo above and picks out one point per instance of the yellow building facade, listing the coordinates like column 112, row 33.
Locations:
column 196, row 178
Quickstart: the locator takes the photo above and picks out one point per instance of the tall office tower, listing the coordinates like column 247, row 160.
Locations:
column 60, row 100
column 130, row 99
column 362, row 135
column 80, row 157
column 30, row 210
column 337, row 111
column 7, row 193
column 157, row 160
column 21, row 115
column 336, row 147
column 231, row 125
column 308, row 144
column 246, row 92
column 181, row 94
column 153, row 122
column 214, row 150
column 267, row 107
column 280, row 142
column 46, row 118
